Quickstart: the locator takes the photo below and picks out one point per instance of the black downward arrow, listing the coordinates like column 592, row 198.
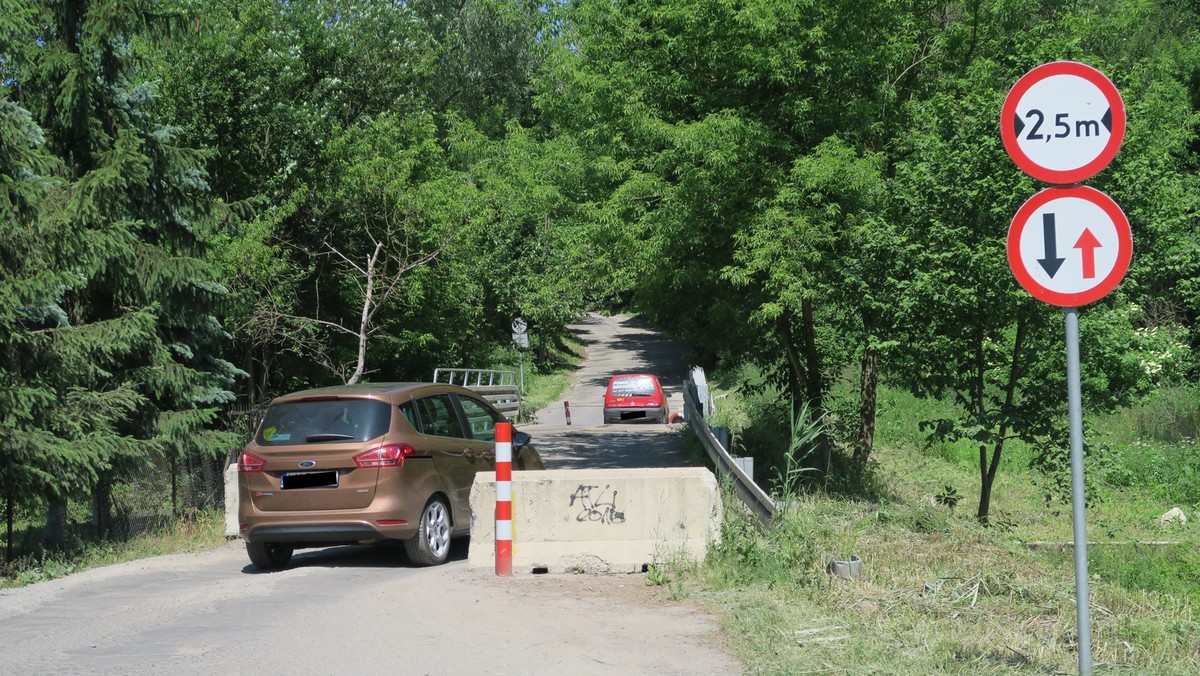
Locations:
column 1051, row 263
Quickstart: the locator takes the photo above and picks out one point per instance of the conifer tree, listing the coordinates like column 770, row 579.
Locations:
column 118, row 344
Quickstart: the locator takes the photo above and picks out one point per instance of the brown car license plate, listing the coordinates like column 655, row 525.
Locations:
column 324, row 479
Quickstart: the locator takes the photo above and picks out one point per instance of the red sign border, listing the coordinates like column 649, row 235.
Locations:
column 1008, row 132
column 1110, row 281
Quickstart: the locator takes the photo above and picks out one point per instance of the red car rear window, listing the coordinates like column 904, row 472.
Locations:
column 634, row 386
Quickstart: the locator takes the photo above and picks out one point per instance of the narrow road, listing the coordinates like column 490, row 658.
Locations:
column 614, row 344
column 363, row 610
column 348, row 610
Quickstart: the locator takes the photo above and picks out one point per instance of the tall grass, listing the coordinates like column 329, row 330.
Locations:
column 1155, row 446
column 941, row 593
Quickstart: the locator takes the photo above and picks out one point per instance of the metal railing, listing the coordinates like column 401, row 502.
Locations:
column 754, row 497
column 475, row 377
column 498, row 387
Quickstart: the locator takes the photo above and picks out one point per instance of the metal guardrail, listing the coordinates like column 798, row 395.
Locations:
column 498, row 387
column 475, row 377
column 750, row 493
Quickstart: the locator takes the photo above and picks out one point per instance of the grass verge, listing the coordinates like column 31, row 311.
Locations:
column 941, row 593
column 204, row 531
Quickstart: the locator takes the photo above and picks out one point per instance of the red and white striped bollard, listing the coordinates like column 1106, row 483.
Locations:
column 504, row 499
column 567, row 411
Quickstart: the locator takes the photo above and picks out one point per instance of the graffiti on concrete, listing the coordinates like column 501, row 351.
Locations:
column 594, row 505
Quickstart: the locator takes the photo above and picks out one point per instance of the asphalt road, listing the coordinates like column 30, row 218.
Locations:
column 347, row 610
column 361, row 610
column 613, row 344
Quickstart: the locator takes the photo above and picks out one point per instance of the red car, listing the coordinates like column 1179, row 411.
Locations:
column 635, row 397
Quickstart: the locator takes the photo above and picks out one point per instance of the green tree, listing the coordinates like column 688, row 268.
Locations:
column 288, row 96
column 802, row 256
column 964, row 328
column 132, row 328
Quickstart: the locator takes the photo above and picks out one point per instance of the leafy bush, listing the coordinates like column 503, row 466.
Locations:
column 782, row 555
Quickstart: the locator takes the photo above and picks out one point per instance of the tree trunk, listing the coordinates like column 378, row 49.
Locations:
column 264, row 383
column 174, row 488
column 987, row 470
column 100, row 508
column 364, row 324
column 796, row 375
column 209, row 481
column 985, row 486
column 9, row 516
column 868, row 388
column 55, row 532
column 248, row 367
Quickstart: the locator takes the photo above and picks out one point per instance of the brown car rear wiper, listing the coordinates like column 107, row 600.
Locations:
column 328, row 436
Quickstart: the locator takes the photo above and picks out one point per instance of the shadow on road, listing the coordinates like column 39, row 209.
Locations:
column 602, row 448
column 360, row 556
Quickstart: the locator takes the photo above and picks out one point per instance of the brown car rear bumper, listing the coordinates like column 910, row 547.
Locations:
column 322, row 534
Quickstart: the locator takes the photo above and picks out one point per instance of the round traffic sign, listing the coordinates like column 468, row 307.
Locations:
column 1069, row 246
column 1063, row 122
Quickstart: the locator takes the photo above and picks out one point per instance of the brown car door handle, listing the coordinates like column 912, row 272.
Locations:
column 468, row 453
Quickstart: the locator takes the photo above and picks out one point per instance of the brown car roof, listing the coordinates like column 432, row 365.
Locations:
column 382, row 390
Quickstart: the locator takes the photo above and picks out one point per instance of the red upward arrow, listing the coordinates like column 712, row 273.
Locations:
column 1088, row 244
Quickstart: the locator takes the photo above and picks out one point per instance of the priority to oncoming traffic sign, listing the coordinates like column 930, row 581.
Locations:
column 1069, row 246
column 1063, row 122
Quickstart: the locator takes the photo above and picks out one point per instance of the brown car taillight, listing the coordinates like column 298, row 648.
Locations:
column 384, row 456
column 249, row 463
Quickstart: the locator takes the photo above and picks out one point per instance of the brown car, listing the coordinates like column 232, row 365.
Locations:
column 371, row 463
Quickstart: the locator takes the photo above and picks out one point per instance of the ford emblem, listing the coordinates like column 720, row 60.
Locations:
column 308, row 463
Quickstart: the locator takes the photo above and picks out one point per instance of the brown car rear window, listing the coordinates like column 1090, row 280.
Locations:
column 324, row 421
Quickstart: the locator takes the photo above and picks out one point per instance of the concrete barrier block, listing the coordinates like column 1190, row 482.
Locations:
column 231, row 501
column 598, row 521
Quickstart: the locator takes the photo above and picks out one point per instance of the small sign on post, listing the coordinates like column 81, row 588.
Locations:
column 520, row 337
column 1069, row 246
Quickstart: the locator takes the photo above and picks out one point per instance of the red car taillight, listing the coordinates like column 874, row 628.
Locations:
column 384, row 456
column 250, row 463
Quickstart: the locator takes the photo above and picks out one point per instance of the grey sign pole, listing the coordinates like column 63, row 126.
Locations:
column 521, row 340
column 1075, row 413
